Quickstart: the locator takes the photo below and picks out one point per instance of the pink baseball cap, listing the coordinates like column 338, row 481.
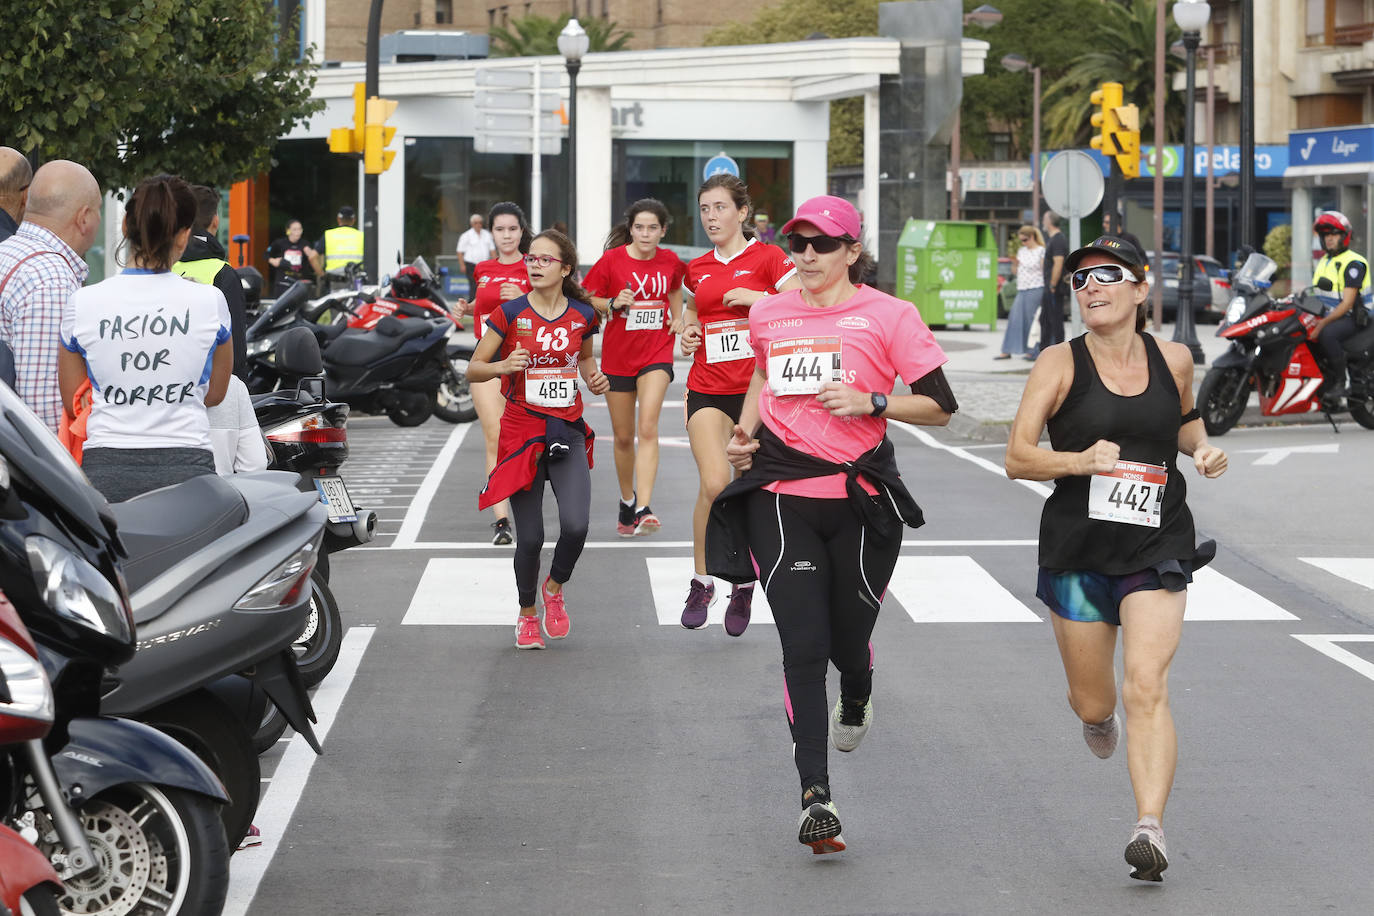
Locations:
column 834, row 216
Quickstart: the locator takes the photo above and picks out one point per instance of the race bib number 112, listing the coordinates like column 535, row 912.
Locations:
column 727, row 341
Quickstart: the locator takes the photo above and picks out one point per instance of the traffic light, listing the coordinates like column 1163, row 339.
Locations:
column 376, row 157
column 350, row 139
column 1118, row 127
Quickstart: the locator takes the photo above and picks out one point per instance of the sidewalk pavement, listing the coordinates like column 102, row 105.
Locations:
column 989, row 390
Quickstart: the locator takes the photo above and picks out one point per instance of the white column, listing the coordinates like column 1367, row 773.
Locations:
column 593, row 171
column 809, row 175
column 313, row 14
column 868, row 196
column 1301, row 268
column 391, row 212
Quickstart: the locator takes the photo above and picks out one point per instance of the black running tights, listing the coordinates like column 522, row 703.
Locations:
column 824, row 574
column 572, row 489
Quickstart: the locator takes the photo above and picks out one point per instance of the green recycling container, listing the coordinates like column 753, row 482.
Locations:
column 948, row 270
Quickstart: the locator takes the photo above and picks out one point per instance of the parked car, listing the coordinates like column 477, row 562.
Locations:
column 1203, row 296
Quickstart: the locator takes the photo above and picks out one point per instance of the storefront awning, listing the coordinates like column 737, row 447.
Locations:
column 1307, row 176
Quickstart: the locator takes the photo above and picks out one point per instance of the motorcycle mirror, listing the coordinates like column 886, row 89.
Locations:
column 386, row 279
column 1324, row 284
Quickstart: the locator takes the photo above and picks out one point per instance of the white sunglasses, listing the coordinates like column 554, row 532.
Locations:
column 1104, row 274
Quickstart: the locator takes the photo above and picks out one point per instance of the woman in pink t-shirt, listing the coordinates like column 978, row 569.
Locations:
column 823, row 541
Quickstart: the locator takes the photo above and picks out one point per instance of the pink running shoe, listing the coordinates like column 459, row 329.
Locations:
column 646, row 522
column 527, row 633
column 555, row 614
column 252, row 838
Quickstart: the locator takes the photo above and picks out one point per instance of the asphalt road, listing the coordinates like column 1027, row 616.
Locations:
column 637, row 767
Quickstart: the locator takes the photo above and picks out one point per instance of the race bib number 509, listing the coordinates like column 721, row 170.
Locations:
column 1132, row 493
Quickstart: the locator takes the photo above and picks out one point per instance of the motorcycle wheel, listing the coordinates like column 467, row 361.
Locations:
column 162, row 853
column 1362, row 413
column 455, row 397
column 214, row 733
column 271, row 729
column 39, row 901
column 1221, row 398
column 317, row 647
column 411, row 408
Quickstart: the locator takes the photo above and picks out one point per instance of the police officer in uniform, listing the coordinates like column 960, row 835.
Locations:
column 205, row 262
column 340, row 246
column 1342, row 279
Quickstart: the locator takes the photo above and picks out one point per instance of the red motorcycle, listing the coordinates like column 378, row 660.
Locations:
column 416, row 293
column 1272, row 355
column 28, row 883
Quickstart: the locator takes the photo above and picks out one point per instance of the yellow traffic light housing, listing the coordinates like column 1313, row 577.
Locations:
column 377, row 136
column 1128, row 140
column 350, row 139
column 1107, row 99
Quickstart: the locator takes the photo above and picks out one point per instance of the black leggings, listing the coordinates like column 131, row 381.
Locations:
column 572, row 488
column 825, row 575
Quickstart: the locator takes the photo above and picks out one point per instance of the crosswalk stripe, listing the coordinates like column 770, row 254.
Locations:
column 466, row 592
column 669, row 578
column 954, row 590
column 1359, row 570
column 1212, row 596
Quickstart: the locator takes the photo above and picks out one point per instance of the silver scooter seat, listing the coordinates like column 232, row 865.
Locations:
column 161, row 528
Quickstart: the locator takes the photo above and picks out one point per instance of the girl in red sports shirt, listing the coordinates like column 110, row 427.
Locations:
column 636, row 287
column 535, row 347
column 499, row 280
column 724, row 283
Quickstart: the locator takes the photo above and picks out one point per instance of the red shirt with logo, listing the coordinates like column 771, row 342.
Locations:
column 554, row 344
column 638, row 336
column 758, row 267
column 490, row 276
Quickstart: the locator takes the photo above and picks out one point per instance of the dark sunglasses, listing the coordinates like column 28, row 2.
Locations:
column 1103, row 274
column 822, row 244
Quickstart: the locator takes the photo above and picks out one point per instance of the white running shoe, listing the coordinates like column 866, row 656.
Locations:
column 1102, row 737
column 1146, row 853
column 849, row 722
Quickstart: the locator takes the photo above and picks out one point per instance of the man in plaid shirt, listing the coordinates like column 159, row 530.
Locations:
column 40, row 267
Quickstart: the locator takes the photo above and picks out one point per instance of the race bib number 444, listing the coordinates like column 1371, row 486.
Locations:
column 727, row 341
column 1131, row 494
column 551, row 387
column 802, row 365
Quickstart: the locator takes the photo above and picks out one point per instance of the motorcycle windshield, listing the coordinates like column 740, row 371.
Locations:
column 285, row 305
column 1255, row 274
column 420, row 265
column 31, row 448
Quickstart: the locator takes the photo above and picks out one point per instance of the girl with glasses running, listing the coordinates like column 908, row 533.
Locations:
column 636, row 287
column 499, row 280
column 724, row 284
column 818, row 514
column 536, row 345
column 1117, row 546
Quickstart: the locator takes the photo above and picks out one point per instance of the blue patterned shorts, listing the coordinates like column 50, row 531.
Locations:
column 1081, row 594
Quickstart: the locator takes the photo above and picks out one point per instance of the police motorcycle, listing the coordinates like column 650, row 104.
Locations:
column 1271, row 355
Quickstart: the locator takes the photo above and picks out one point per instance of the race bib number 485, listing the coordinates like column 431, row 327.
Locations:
column 551, row 387
column 802, row 365
column 727, row 341
column 1132, row 494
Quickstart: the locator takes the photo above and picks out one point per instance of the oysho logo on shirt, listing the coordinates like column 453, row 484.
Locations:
column 857, row 322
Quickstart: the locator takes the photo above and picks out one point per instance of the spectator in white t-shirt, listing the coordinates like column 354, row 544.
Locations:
column 157, row 349
column 235, row 434
column 474, row 246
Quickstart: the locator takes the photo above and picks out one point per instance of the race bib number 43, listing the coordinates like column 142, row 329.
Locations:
column 727, row 341
column 1132, row 494
column 645, row 315
column 551, row 387
column 803, row 364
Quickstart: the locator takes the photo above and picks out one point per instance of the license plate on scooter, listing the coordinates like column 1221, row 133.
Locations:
column 334, row 495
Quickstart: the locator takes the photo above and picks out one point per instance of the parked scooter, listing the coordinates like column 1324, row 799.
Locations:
column 1271, row 354
column 28, row 882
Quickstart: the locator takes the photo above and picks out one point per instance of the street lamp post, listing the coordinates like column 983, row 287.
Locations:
column 985, row 16
column 1191, row 16
column 1017, row 62
column 572, row 44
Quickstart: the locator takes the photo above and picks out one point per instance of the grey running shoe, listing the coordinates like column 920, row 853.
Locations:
column 502, row 535
column 1145, row 853
column 738, row 610
column 849, row 722
column 699, row 600
column 1103, row 736
column 819, row 826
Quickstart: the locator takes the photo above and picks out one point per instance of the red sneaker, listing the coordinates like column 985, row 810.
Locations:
column 555, row 614
column 646, row 523
column 527, row 633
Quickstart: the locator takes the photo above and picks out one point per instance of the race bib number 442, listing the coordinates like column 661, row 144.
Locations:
column 727, row 341
column 1131, row 494
column 802, row 365
column 551, row 387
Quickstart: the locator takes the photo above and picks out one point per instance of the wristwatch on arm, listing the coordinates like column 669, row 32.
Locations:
column 879, row 404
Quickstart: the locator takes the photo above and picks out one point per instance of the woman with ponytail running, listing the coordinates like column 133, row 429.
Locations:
column 724, row 283
column 636, row 287
column 536, row 345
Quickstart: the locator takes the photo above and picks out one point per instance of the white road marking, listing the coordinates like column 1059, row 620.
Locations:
column 1325, row 643
column 1271, row 456
column 419, row 508
column 954, row 590
column 1359, row 570
column 1212, row 596
column 465, row 592
column 288, row 781
column 656, row 544
column 669, row 578
column 927, row 439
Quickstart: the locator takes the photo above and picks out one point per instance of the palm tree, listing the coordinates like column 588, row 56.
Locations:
column 535, row 35
column 1123, row 52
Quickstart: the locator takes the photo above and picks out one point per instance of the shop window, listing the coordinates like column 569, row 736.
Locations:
column 308, row 183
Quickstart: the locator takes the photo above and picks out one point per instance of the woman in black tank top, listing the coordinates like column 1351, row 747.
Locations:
column 1117, row 546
